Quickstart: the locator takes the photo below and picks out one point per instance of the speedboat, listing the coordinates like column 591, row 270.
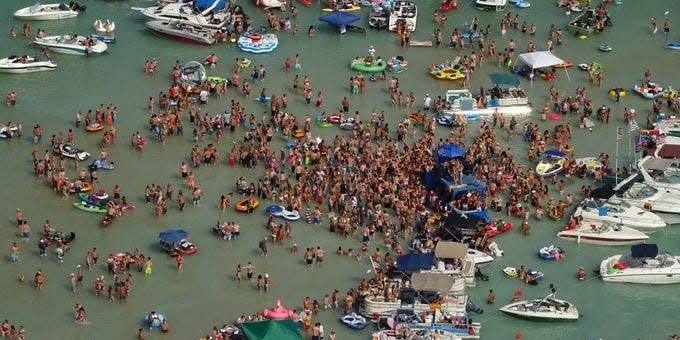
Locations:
column 643, row 265
column 603, row 233
column 69, row 151
column 46, row 12
column 185, row 13
column 547, row 308
column 281, row 211
column 647, row 197
column 403, row 11
column 184, row 32
column 619, row 212
column 71, row 43
column 660, row 172
column 26, row 64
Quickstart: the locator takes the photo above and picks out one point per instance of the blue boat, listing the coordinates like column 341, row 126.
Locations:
column 672, row 45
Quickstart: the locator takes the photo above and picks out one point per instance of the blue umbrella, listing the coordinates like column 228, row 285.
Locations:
column 448, row 152
column 172, row 236
column 339, row 19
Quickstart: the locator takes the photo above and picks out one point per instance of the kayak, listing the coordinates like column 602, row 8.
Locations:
column 90, row 208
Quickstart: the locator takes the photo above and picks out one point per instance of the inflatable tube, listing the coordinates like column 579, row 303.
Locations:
column 622, row 92
column 551, row 253
column 299, row 133
column 321, row 122
column 510, row 272
column 94, row 127
column 554, row 117
column 278, row 312
column 447, row 71
column 154, row 320
column 242, row 206
column 605, row 48
column 354, row 321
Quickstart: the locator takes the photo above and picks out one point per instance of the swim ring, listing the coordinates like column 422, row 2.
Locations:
column 242, row 206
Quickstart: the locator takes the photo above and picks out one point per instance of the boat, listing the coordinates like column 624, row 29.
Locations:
column 643, row 265
column 246, row 204
column 403, row 11
column 551, row 253
column 368, row 65
column 278, row 312
column 672, row 45
column 69, row 151
column 184, row 32
column 620, row 213
column 602, row 233
column 281, row 211
column 494, row 229
column 647, row 197
column 90, row 208
column 397, row 64
column 154, row 320
column 379, row 17
column 478, row 257
column 354, row 321
column 491, row 5
column 103, row 164
column 547, row 308
column 92, row 199
column 46, row 12
column 605, row 48
column 186, row 13
column 414, row 333
column 649, row 90
column 104, row 26
column 71, row 43
column 258, row 43
column 460, row 325
column 447, row 71
column 510, row 101
column 659, row 172
column 267, row 4
column 176, row 241
column 26, row 64
column 550, row 167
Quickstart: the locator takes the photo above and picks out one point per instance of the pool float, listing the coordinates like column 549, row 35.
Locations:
column 335, row 118
column 397, row 64
column 348, row 124
column 299, row 133
column 101, row 195
column 90, row 208
column 522, row 4
column 565, row 64
column 551, row 253
column 445, row 120
column 103, row 164
column 104, row 26
column 217, row 79
column 281, row 211
column 569, row 149
column 87, row 186
column 672, row 45
column 554, row 117
column 494, row 229
column 354, row 321
column 242, row 206
column 154, row 320
column 510, row 272
column 94, row 127
column 448, row 5
column 322, row 122
column 109, row 39
column 605, row 48
column 417, row 117
column 650, row 91
column 537, row 275
column 306, row 2
column 277, row 312
column 263, row 100
column 258, row 43
column 447, row 71
column 420, row 43
column 622, row 92
column 374, row 66
column 549, row 168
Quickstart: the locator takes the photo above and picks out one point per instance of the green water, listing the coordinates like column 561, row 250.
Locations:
column 205, row 294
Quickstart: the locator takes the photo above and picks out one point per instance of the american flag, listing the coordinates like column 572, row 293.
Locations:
column 619, row 134
column 633, row 125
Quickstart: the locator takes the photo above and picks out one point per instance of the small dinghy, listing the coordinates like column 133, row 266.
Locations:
column 547, row 308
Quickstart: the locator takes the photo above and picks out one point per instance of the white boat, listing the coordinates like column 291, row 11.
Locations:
column 643, row 265
column 184, row 32
column 602, row 233
column 508, row 102
column 72, row 44
column 548, row 308
column 478, row 257
column 26, row 64
column 491, row 5
column 450, row 294
column 660, row 172
column 185, row 13
column 46, row 12
column 647, row 197
column 403, row 11
column 104, row 26
column 619, row 212
column 414, row 333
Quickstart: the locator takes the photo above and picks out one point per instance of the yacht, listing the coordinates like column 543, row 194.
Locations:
column 647, row 197
column 619, row 212
column 602, row 233
column 406, row 11
column 186, row 14
column 643, row 265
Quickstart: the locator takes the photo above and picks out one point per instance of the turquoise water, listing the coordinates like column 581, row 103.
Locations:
column 205, row 294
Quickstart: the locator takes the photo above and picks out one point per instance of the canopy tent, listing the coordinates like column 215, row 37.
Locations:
column 415, row 261
column 450, row 250
column 172, row 236
column 432, row 282
column 448, row 152
column 504, row 79
column 271, row 330
column 468, row 184
column 540, row 59
column 339, row 19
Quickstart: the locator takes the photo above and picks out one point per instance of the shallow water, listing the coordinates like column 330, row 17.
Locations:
column 205, row 294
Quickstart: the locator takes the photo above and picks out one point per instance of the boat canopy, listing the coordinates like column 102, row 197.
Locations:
column 210, row 5
column 658, row 164
column 450, row 250
column 339, row 19
column 432, row 282
column 415, row 261
column 448, row 152
column 644, row 250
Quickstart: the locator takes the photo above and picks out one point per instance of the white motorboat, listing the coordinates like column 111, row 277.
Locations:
column 104, row 26
column 46, row 12
column 508, row 102
column 184, row 32
column 26, row 64
column 547, row 308
column 660, row 172
column 478, row 257
column 491, row 5
column 403, row 11
column 603, row 233
column 414, row 333
column 185, row 13
column 647, row 197
column 643, row 265
column 72, row 44
column 619, row 212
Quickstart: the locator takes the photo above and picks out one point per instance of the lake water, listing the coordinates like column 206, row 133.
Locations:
column 205, row 294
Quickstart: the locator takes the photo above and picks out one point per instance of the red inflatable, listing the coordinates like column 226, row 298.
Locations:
column 494, row 229
column 449, row 5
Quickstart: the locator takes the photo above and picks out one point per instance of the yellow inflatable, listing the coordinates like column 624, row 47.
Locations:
column 447, row 71
column 622, row 92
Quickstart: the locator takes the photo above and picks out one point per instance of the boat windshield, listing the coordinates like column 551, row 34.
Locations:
column 641, row 191
column 670, row 175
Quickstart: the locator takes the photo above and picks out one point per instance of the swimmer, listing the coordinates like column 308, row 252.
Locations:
column 581, row 275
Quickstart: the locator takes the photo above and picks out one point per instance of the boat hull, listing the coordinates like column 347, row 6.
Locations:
column 7, row 65
column 530, row 316
column 182, row 38
column 604, row 241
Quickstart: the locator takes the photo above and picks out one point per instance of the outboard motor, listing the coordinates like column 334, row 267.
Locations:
column 470, row 307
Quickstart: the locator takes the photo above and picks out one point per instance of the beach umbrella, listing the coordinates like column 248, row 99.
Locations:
column 339, row 19
column 448, row 152
column 172, row 236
